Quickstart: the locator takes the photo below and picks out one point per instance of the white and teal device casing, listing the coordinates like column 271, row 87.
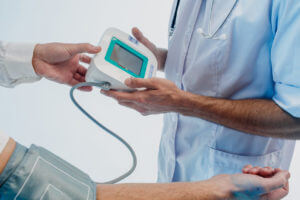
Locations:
column 122, row 57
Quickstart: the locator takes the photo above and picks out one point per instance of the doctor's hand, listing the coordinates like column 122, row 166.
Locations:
column 61, row 62
column 160, row 54
column 256, row 183
column 159, row 96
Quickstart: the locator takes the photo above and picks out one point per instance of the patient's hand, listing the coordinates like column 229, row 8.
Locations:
column 61, row 62
column 256, row 183
column 272, row 184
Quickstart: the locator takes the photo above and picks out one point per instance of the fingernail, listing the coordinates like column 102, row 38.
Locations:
column 97, row 48
column 128, row 81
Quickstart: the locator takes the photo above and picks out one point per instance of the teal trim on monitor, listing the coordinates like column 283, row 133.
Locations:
column 115, row 41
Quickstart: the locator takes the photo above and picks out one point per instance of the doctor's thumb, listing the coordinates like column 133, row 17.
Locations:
column 139, row 36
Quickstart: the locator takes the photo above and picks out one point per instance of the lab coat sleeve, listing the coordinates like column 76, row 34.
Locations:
column 16, row 64
column 285, row 57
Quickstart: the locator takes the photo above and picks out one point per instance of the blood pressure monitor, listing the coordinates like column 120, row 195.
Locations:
column 122, row 57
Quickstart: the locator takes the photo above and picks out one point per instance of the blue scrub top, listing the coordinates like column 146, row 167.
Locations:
column 232, row 49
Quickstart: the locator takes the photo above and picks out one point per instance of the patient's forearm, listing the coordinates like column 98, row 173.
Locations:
column 6, row 154
column 172, row 191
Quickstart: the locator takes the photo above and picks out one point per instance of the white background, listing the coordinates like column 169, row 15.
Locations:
column 42, row 113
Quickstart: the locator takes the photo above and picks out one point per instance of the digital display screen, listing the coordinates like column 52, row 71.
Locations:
column 126, row 59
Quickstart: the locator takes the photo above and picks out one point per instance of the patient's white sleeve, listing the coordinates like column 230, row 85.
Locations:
column 16, row 64
column 3, row 141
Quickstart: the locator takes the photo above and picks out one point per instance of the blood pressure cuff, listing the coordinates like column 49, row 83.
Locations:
column 37, row 174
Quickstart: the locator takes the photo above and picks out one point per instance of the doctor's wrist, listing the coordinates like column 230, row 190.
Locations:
column 177, row 101
column 184, row 103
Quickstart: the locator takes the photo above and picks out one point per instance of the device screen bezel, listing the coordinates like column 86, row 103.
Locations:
column 111, row 47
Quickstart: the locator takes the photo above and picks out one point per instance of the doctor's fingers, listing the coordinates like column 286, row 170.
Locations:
column 148, row 83
column 119, row 95
column 134, row 106
column 142, row 39
column 74, row 49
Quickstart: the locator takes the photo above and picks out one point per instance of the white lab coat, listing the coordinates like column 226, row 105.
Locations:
column 16, row 64
column 15, row 68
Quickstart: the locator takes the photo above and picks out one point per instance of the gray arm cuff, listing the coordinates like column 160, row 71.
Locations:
column 39, row 174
